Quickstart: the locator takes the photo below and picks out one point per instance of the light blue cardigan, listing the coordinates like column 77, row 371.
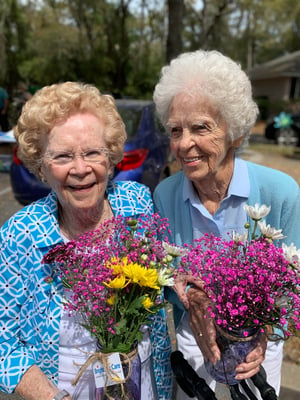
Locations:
column 267, row 186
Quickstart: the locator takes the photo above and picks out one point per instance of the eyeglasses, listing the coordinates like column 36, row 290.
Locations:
column 196, row 129
column 95, row 156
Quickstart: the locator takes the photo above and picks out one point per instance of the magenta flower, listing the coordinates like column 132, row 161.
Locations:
column 250, row 284
column 96, row 268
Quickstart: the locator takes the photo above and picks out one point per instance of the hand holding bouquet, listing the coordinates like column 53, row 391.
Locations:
column 253, row 287
column 251, row 282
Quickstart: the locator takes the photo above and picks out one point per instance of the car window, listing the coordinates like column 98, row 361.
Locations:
column 158, row 125
column 131, row 119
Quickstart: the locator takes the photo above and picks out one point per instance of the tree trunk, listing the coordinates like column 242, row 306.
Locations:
column 174, row 40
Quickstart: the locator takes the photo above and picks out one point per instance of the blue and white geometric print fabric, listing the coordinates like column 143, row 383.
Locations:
column 29, row 307
column 129, row 198
column 30, row 303
column 161, row 353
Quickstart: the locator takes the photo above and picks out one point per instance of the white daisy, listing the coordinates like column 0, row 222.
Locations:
column 257, row 212
column 172, row 250
column 239, row 237
column 292, row 254
column 166, row 277
column 269, row 232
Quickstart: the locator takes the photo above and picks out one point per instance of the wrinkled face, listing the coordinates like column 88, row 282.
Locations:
column 74, row 162
column 199, row 138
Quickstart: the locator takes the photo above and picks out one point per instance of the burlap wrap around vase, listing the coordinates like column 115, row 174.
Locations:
column 127, row 389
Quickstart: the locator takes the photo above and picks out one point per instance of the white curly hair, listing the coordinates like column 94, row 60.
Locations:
column 218, row 78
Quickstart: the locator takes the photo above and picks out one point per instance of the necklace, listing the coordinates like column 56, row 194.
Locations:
column 71, row 231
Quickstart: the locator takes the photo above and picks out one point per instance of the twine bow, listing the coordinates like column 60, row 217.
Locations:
column 110, row 374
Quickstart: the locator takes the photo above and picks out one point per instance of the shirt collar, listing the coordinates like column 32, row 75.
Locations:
column 239, row 184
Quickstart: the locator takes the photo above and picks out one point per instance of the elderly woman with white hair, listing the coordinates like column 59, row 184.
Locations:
column 204, row 99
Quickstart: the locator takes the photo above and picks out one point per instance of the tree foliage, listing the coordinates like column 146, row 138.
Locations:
column 121, row 45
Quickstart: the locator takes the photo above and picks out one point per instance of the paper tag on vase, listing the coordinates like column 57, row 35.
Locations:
column 115, row 366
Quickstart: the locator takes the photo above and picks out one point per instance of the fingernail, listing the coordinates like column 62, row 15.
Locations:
column 215, row 360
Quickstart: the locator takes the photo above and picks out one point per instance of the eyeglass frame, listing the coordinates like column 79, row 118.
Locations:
column 104, row 151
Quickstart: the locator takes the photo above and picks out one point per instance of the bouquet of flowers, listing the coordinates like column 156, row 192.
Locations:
column 253, row 286
column 252, row 283
column 116, row 274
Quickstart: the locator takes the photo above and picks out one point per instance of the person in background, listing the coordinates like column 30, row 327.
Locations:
column 204, row 100
column 3, row 110
column 23, row 95
column 71, row 136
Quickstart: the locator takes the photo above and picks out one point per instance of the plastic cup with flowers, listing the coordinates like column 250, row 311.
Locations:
column 253, row 285
column 116, row 274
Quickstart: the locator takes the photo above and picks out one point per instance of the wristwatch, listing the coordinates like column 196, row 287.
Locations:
column 60, row 395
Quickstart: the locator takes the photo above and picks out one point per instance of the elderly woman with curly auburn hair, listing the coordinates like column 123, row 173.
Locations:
column 204, row 100
column 71, row 136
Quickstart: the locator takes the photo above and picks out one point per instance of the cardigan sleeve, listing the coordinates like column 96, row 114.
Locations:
column 168, row 203
column 281, row 192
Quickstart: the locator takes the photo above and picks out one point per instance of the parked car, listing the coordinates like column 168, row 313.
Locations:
column 284, row 136
column 146, row 156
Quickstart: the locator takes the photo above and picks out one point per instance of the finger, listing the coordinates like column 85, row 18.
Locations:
column 196, row 281
column 200, row 321
column 247, row 373
column 205, row 335
column 179, row 288
column 258, row 353
column 210, row 351
column 247, row 369
column 247, row 366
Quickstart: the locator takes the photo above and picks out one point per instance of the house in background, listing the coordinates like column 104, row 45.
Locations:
column 278, row 79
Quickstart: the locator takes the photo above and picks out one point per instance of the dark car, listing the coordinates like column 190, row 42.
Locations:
column 284, row 136
column 146, row 152
column 146, row 156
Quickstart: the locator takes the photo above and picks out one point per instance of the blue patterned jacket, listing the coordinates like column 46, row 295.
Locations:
column 30, row 307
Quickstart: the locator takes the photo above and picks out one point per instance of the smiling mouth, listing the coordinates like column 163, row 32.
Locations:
column 81, row 187
column 192, row 159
